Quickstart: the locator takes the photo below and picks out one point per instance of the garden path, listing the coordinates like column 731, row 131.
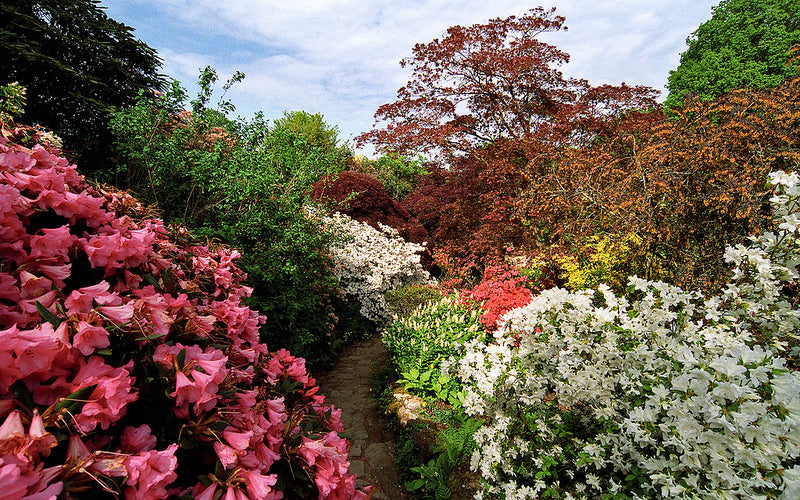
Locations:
column 372, row 446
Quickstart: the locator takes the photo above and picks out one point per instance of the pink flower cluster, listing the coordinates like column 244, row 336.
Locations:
column 501, row 290
column 128, row 362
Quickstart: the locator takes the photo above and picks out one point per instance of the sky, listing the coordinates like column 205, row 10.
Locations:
column 341, row 58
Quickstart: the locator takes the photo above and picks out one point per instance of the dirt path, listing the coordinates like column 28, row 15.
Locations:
column 372, row 448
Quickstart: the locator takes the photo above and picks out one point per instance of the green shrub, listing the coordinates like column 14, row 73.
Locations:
column 404, row 300
column 432, row 333
column 244, row 184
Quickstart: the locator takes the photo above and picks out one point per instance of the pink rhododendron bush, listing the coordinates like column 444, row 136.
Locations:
column 129, row 366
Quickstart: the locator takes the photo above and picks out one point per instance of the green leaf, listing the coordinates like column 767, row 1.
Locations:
column 181, row 358
column 75, row 400
column 415, row 484
column 48, row 316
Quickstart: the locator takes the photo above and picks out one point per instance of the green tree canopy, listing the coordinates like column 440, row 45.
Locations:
column 311, row 127
column 76, row 64
column 746, row 43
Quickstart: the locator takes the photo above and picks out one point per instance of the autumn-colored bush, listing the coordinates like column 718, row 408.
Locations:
column 363, row 198
column 685, row 186
column 129, row 365
column 468, row 208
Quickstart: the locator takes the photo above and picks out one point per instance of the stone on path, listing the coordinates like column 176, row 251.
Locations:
column 372, row 447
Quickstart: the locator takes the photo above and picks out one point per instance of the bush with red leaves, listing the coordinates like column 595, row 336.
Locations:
column 501, row 290
column 364, row 199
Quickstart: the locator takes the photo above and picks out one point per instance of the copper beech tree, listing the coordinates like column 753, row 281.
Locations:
column 486, row 102
column 490, row 81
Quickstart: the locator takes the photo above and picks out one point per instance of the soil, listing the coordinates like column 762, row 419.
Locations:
column 372, row 446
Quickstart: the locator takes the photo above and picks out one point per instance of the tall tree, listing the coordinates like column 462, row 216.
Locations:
column 77, row 64
column 490, row 81
column 490, row 105
column 746, row 43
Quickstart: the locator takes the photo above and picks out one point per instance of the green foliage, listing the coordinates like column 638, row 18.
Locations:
column 404, row 300
column 453, row 446
column 397, row 174
column 313, row 129
column 290, row 156
column 746, row 43
column 433, row 383
column 245, row 185
column 77, row 65
column 420, row 342
column 12, row 101
column 433, row 478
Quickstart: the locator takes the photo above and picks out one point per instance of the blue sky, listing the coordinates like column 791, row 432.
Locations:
column 341, row 57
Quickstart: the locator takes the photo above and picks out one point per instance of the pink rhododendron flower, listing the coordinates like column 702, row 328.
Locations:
column 89, row 337
column 328, row 457
column 84, row 299
column 207, row 493
column 118, row 314
column 156, row 290
column 32, row 285
column 29, row 354
column 137, row 439
column 260, row 486
column 150, row 472
column 153, row 306
column 52, row 245
column 21, row 479
column 227, row 455
column 198, row 380
column 57, row 273
column 74, row 207
column 106, row 404
column 240, row 441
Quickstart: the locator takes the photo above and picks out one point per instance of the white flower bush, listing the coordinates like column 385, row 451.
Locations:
column 665, row 395
column 370, row 262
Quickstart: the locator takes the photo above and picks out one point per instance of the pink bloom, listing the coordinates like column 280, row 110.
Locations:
column 20, row 479
column 118, row 314
column 197, row 381
column 56, row 273
column 205, row 494
column 83, row 299
column 40, row 442
column 29, row 354
column 153, row 306
column 12, row 433
column 230, row 494
column 260, row 486
column 328, row 457
column 88, row 338
column 150, row 472
column 52, row 245
column 33, row 286
column 9, row 290
column 108, row 401
column 77, row 450
column 227, row 455
column 137, row 439
column 238, row 440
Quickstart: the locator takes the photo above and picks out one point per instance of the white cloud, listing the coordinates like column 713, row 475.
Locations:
column 340, row 57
